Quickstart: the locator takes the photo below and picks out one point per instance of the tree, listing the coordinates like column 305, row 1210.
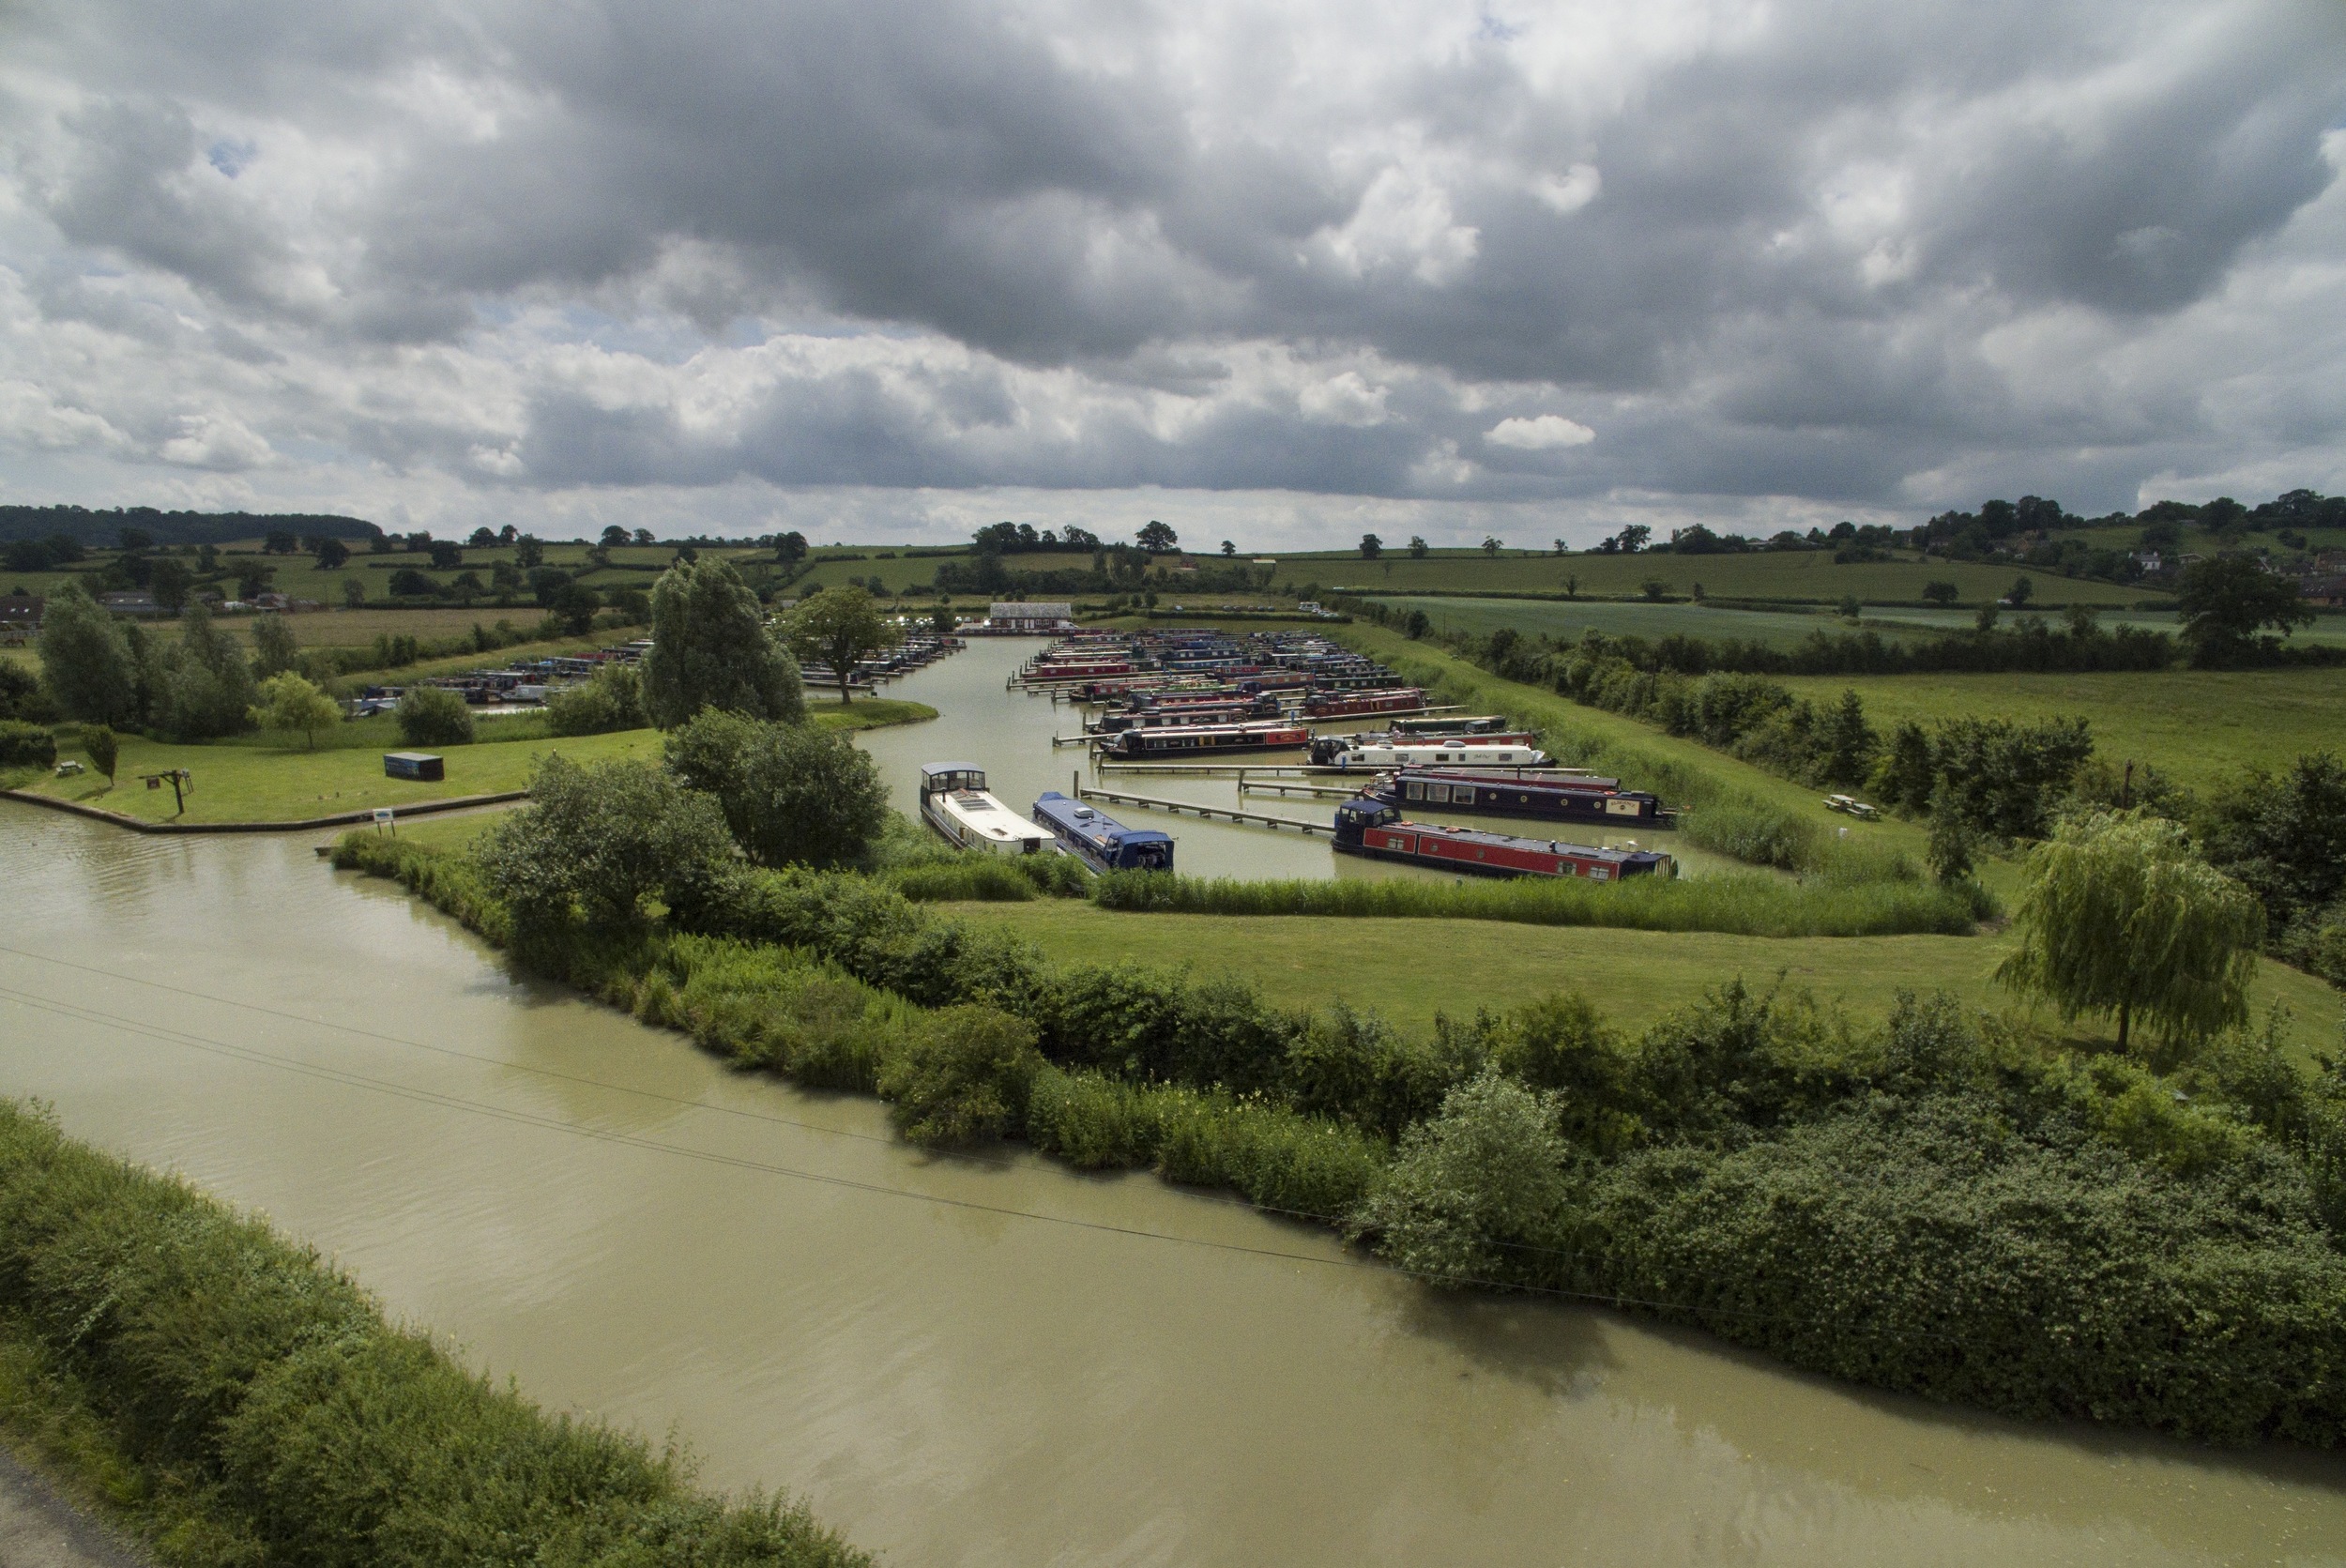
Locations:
column 1952, row 843
column 1416, row 625
column 104, row 749
column 201, row 687
column 1371, row 547
column 595, row 843
column 1572, row 586
column 1632, row 539
column 1655, row 590
column 1228, row 549
column 1847, row 743
column 710, row 648
column 837, row 627
column 1851, row 609
column 614, row 536
column 2119, row 916
column 2020, row 592
column 2225, row 601
column 433, row 716
column 333, row 555
column 289, row 703
column 2286, row 838
column 86, row 663
column 574, row 604
column 1491, row 546
column 1156, row 538
column 1562, row 549
column 354, row 592
column 614, row 700
column 642, row 536
column 170, row 582
column 447, row 555
column 528, row 554
column 278, row 543
column 1941, row 594
column 792, row 794
column 273, row 649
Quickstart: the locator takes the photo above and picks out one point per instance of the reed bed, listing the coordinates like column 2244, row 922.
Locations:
column 1745, row 905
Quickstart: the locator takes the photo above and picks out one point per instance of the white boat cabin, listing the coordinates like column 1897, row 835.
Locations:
column 953, row 800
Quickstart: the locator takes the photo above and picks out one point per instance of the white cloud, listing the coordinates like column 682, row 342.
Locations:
column 217, row 441
column 1539, row 433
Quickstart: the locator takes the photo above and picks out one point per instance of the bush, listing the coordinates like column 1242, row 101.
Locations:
column 24, row 745
column 263, row 1397
column 1475, row 1195
column 613, row 700
column 792, row 794
column 963, row 1076
column 597, row 843
column 433, row 716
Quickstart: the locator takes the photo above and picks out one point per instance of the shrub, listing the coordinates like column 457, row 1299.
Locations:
column 1474, row 1196
column 613, row 700
column 598, row 842
column 24, row 745
column 792, row 794
column 433, row 716
column 961, row 1076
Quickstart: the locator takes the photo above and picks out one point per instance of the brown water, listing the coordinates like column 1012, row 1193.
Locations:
column 1009, row 734
column 963, row 1362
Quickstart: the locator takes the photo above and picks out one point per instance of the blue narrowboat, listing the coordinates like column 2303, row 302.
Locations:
column 1101, row 842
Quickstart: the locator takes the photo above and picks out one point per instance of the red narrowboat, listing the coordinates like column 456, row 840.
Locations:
column 1369, row 827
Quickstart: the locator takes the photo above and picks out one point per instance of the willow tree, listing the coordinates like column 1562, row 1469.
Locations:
column 710, row 648
column 2120, row 918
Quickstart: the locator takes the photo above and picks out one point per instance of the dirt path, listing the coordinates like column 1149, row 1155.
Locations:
column 40, row 1529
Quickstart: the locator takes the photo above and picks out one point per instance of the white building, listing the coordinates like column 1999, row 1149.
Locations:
column 1030, row 617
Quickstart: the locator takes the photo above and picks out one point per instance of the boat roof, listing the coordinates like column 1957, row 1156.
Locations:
column 1111, row 831
column 1512, row 840
column 1571, row 778
column 929, row 767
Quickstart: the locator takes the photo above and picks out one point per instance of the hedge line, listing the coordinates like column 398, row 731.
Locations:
column 266, row 1413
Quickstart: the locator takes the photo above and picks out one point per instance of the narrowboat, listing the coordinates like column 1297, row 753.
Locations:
column 1099, row 840
column 954, row 802
column 1346, row 704
column 1191, row 741
column 1332, row 751
column 1481, row 723
column 1371, row 827
column 1173, row 718
column 1583, row 798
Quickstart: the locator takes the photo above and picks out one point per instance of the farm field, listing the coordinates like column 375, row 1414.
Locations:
column 1567, row 620
column 1800, row 576
column 252, row 779
column 2328, row 631
column 1410, row 970
column 2199, row 727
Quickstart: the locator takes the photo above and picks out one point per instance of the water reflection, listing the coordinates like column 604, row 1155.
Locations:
column 810, row 1305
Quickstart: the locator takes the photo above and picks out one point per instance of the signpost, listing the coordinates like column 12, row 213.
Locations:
column 383, row 819
column 182, row 785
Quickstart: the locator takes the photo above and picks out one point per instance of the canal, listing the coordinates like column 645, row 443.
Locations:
column 959, row 1361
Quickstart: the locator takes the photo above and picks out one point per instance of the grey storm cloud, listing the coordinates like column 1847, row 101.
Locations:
column 1868, row 254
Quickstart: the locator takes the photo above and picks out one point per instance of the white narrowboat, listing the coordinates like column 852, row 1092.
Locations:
column 954, row 802
column 1437, row 755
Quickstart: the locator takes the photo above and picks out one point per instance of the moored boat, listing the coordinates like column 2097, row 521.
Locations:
column 1333, row 752
column 1345, row 704
column 1370, row 827
column 1100, row 841
column 1582, row 798
column 1188, row 740
column 953, row 800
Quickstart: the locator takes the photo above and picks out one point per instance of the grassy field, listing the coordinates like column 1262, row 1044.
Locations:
column 1409, row 970
column 1565, row 621
column 1797, row 576
column 253, row 781
column 2197, row 727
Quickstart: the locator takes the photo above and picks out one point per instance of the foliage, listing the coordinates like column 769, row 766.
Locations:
column 963, row 1076
column 435, row 716
column 2286, row 838
column 86, row 668
column 24, row 745
column 21, row 697
column 199, row 687
column 792, row 794
column 1748, row 905
column 274, row 650
column 2120, row 917
column 613, row 700
column 1474, row 1189
column 597, row 843
column 291, row 704
column 104, row 749
column 2225, row 601
column 837, row 627
column 710, row 648
column 266, row 1411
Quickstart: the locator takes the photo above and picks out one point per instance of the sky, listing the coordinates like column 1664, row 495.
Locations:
column 886, row 270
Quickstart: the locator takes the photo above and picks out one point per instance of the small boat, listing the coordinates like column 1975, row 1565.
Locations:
column 1100, row 841
column 954, row 802
column 1370, row 827
column 1191, row 741
column 1580, row 798
column 1345, row 704
column 1332, row 753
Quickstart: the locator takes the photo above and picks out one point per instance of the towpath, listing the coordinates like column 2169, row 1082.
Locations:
column 40, row 1529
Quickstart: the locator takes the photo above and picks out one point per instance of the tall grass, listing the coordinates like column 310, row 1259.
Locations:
column 1745, row 904
column 250, row 1406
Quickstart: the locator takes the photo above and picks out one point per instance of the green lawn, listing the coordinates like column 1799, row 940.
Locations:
column 1409, row 970
column 2199, row 727
column 251, row 780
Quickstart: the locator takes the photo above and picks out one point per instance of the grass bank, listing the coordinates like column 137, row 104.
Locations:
column 2198, row 727
column 259, row 779
column 1407, row 970
column 224, row 1394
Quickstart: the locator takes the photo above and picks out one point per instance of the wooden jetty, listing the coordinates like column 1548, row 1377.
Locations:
column 1222, row 813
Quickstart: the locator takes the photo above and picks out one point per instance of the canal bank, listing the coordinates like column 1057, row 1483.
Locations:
column 968, row 1360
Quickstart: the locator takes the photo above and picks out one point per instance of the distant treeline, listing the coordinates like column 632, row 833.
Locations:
column 104, row 529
